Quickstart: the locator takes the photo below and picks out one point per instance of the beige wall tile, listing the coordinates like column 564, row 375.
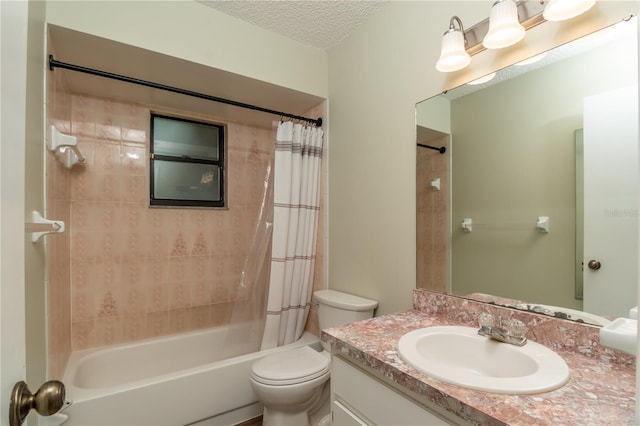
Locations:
column 130, row 271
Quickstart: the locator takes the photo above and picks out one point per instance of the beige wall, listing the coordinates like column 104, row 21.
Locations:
column 200, row 34
column 376, row 77
column 435, row 114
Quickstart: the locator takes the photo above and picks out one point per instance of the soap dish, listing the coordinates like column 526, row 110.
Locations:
column 621, row 334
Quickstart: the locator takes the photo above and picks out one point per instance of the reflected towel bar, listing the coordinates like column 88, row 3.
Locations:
column 442, row 149
column 541, row 225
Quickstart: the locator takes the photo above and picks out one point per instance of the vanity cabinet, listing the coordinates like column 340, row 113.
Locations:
column 359, row 398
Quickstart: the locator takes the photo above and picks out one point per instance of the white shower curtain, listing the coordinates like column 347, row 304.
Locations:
column 295, row 218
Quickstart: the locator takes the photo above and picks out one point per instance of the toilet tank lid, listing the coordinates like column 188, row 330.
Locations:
column 341, row 300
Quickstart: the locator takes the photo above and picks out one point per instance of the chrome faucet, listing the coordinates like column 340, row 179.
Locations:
column 513, row 333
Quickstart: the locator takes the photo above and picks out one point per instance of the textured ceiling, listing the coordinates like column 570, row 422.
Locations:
column 320, row 23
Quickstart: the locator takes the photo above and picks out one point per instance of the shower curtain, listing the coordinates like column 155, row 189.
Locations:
column 295, row 218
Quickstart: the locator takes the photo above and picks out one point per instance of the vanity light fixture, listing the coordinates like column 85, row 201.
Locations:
column 453, row 55
column 504, row 27
column 507, row 24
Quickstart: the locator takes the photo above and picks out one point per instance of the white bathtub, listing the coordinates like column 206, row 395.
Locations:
column 175, row 380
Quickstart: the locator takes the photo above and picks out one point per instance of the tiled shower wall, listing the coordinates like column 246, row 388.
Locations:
column 432, row 223
column 139, row 272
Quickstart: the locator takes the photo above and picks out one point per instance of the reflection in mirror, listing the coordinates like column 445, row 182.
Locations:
column 433, row 197
column 546, row 140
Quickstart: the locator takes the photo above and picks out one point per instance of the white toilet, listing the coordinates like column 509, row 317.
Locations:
column 293, row 385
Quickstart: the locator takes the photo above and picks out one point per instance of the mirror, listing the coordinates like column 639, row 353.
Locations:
column 539, row 177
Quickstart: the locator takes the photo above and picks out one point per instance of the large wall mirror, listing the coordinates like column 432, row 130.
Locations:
column 534, row 201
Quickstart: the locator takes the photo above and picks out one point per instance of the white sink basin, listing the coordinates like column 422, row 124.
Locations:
column 458, row 355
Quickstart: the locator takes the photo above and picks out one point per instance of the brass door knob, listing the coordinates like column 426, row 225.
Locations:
column 594, row 265
column 47, row 400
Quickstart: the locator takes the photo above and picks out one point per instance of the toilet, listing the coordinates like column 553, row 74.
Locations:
column 293, row 386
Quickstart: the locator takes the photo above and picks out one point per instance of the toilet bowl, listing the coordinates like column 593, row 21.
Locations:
column 293, row 386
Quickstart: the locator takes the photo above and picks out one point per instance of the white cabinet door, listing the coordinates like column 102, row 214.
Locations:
column 342, row 416
column 362, row 398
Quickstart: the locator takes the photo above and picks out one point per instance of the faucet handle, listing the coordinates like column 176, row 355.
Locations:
column 485, row 319
column 517, row 328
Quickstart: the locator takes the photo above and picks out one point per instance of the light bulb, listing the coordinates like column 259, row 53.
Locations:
column 560, row 10
column 504, row 27
column 453, row 56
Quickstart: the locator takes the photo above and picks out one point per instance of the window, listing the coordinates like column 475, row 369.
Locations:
column 187, row 163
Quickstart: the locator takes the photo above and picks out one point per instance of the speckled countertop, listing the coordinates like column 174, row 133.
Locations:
column 600, row 391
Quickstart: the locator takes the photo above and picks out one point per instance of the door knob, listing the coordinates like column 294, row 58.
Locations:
column 47, row 400
column 594, row 265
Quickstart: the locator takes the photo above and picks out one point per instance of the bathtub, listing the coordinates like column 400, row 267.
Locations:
column 195, row 377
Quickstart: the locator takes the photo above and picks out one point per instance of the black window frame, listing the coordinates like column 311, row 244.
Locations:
column 220, row 163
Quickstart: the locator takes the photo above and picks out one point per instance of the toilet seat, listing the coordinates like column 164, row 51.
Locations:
column 290, row 367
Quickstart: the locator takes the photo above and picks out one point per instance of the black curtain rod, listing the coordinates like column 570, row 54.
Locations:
column 57, row 64
column 442, row 149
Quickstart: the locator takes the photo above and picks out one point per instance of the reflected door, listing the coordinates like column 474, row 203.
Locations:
column 610, row 264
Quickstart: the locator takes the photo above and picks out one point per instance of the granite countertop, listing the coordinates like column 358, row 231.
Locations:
column 601, row 389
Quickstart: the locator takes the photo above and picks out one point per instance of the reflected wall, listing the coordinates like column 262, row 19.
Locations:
column 513, row 161
column 433, row 212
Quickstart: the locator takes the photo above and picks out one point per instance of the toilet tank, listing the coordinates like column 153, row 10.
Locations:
column 336, row 308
